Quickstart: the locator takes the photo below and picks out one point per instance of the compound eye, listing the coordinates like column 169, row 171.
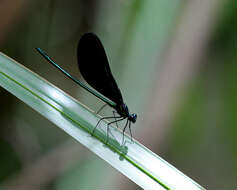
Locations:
column 134, row 117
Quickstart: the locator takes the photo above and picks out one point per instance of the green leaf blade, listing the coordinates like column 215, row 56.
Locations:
column 132, row 159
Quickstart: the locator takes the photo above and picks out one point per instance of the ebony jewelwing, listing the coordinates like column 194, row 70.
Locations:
column 94, row 67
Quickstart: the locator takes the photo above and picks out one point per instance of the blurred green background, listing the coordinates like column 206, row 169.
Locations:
column 175, row 63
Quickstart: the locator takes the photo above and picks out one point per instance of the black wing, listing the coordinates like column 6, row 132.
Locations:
column 94, row 67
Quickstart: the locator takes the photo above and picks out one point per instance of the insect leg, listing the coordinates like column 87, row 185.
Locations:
column 124, row 129
column 101, row 120
column 115, row 118
column 129, row 126
column 107, row 136
column 101, row 108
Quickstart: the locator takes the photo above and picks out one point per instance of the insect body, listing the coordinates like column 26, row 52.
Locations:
column 94, row 67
